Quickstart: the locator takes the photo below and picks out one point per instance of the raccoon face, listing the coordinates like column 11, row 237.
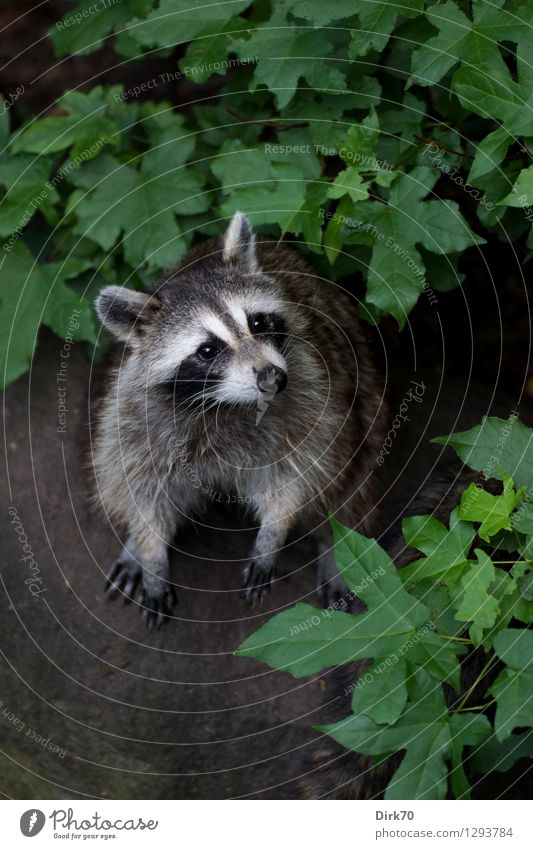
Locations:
column 216, row 332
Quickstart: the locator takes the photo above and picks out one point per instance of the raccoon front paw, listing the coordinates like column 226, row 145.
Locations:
column 157, row 605
column 330, row 586
column 256, row 581
column 123, row 578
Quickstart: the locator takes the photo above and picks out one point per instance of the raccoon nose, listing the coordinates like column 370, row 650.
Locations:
column 271, row 379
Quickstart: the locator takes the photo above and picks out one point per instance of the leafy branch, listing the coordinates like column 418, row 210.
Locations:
column 413, row 635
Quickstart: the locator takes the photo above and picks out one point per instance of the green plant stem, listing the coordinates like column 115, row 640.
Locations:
column 457, row 639
column 509, row 562
column 492, row 659
column 476, row 707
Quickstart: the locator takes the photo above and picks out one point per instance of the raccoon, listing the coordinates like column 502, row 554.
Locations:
column 242, row 371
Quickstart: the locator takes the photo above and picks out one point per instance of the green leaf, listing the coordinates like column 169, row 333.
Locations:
column 304, row 639
column 524, row 57
column 430, row 736
column 377, row 21
column 513, row 688
column 446, row 550
column 369, row 572
column 23, row 291
column 423, row 730
column 515, row 648
column 321, row 14
column 28, row 189
column 31, row 293
column 489, row 153
column 500, row 756
column 349, row 182
column 466, row 729
column 178, row 21
column 141, row 207
column 492, row 95
column 333, row 238
column 460, row 39
column 85, row 27
column 207, row 54
column 381, row 691
column 431, row 61
column 437, row 656
column 307, row 222
column 493, row 511
column 85, row 129
column 424, row 532
column 521, row 195
column 494, row 446
column 522, row 520
column 278, row 200
column 444, row 230
column 396, row 275
column 477, row 605
column 358, row 143
column 284, row 55
column 238, row 164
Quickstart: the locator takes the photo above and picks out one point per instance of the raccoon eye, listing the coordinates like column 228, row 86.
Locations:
column 207, row 352
column 260, row 323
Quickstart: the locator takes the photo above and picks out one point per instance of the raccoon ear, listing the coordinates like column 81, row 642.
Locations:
column 122, row 311
column 239, row 242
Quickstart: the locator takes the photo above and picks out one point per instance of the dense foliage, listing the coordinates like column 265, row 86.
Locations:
column 465, row 602
column 387, row 139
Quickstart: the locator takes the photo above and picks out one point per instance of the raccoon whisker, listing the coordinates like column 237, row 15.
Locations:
column 198, row 396
column 216, row 415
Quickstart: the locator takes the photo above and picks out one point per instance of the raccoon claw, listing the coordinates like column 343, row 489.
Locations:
column 123, row 579
column 157, row 609
column 256, row 582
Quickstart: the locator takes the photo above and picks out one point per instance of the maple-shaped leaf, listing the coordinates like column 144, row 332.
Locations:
column 140, row 206
column 303, row 640
column 474, row 42
column 493, row 511
column 285, row 55
column 521, row 194
column 396, row 275
column 28, row 189
column 86, row 128
column 496, row 446
column 429, row 734
column 175, row 22
column 478, row 605
column 446, row 549
column 34, row 293
column 513, row 688
column 84, row 28
column 376, row 22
